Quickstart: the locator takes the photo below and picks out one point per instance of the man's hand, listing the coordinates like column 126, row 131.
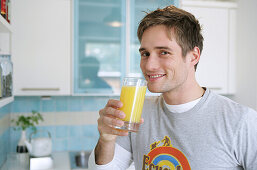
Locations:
column 110, row 116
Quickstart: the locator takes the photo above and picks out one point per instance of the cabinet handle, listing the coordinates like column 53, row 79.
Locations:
column 40, row 89
column 214, row 88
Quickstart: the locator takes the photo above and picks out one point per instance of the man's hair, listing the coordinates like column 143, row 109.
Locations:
column 187, row 29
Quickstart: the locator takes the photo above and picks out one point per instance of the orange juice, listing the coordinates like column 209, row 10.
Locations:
column 132, row 98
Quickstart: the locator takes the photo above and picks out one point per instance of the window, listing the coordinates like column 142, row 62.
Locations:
column 106, row 44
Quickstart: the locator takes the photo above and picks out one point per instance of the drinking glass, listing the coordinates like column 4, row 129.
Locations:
column 132, row 96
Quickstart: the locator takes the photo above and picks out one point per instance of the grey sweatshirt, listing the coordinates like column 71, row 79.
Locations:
column 216, row 134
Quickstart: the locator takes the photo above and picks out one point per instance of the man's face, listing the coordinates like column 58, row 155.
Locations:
column 162, row 63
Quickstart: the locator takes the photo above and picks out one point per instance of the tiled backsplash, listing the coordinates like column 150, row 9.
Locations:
column 64, row 138
column 4, row 132
column 71, row 120
column 4, row 143
column 69, row 130
column 58, row 104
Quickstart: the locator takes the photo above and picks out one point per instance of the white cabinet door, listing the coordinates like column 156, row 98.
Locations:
column 5, row 34
column 4, row 43
column 214, row 66
column 42, row 47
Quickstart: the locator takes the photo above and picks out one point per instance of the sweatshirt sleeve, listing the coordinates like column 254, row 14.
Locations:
column 121, row 161
column 246, row 141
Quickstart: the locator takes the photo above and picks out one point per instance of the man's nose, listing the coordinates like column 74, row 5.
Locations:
column 152, row 63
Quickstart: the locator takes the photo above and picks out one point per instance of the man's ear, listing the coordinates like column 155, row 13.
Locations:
column 195, row 56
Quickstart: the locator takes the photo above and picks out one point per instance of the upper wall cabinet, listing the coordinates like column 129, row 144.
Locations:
column 5, row 32
column 216, row 69
column 5, row 49
column 105, row 43
column 42, row 47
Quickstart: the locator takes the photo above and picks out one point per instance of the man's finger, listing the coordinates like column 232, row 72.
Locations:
column 114, row 103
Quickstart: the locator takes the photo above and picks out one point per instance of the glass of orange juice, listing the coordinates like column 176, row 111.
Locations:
column 132, row 96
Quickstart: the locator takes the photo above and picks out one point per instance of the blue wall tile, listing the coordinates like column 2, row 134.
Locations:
column 43, row 131
column 5, row 136
column 61, row 131
column 5, row 110
column 2, row 153
column 48, row 105
column 64, row 138
column 14, row 139
column 5, row 146
column 75, row 103
column 60, row 145
column 75, row 131
column 61, row 103
column 88, row 143
column 25, row 104
column 74, row 144
column 94, row 103
column 90, row 131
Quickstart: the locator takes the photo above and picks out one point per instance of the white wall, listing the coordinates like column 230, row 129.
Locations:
column 246, row 83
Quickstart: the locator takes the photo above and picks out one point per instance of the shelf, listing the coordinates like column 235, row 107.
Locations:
column 5, row 101
column 4, row 25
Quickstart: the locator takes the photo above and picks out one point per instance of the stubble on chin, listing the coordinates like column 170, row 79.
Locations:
column 155, row 88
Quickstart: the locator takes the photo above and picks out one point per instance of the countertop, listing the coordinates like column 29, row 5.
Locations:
column 21, row 161
column 61, row 162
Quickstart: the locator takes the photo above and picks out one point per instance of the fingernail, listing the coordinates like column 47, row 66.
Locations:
column 122, row 115
column 120, row 104
column 120, row 123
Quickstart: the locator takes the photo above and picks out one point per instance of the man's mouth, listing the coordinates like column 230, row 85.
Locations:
column 153, row 77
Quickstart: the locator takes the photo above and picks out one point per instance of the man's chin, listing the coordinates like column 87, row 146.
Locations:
column 154, row 90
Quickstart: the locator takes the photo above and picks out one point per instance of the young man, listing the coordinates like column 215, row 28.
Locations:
column 187, row 127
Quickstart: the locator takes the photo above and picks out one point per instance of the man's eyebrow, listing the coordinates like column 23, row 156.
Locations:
column 158, row 47
column 163, row 47
column 141, row 49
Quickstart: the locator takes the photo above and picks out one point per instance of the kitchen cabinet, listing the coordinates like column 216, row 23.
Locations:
column 5, row 48
column 42, row 47
column 5, row 34
column 216, row 68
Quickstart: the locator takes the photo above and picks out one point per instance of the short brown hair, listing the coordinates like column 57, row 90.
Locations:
column 186, row 27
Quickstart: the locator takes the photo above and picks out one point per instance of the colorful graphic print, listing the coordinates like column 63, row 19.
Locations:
column 165, row 157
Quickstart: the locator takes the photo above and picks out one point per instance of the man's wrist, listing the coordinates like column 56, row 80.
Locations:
column 104, row 150
column 107, row 139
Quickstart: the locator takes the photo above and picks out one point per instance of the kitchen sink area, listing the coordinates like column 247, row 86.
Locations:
column 66, row 160
column 79, row 160
column 21, row 161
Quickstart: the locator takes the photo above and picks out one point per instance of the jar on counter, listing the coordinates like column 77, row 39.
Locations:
column 0, row 81
column 7, row 69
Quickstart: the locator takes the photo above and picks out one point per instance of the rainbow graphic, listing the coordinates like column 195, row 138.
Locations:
column 165, row 157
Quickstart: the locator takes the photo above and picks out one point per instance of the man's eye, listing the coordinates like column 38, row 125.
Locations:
column 164, row 53
column 145, row 54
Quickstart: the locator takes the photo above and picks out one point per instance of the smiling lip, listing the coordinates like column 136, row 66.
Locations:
column 154, row 77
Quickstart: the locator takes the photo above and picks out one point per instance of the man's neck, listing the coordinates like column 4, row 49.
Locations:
column 183, row 94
